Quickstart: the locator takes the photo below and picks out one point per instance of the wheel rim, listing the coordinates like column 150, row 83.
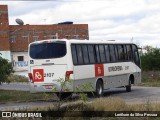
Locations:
column 99, row 89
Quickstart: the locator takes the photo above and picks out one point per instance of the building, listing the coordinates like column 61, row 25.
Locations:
column 14, row 39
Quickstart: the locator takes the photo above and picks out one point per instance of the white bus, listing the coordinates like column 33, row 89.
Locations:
column 104, row 64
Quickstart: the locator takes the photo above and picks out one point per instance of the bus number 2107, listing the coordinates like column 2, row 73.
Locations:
column 48, row 74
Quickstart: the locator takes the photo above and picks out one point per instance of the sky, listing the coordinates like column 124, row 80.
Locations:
column 135, row 21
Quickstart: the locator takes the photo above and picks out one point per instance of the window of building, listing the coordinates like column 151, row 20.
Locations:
column 12, row 39
column 67, row 36
column 24, row 37
column 51, row 36
column 35, row 38
column 76, row 37
column 20, row 58
column 45, row 37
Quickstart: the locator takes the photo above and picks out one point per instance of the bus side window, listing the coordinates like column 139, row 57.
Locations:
column 135, row 55
column 74, row 54
column 97, row 54
column 116, row 52
column 129, row 52
column 79, row 54
column 102, row 53
column 85, row 54
column 121, row 52
column 125, row 52
column 107, row 53
column 112, row 53
column 91, row 54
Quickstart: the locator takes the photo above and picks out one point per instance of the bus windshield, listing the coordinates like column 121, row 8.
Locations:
column 48, row 50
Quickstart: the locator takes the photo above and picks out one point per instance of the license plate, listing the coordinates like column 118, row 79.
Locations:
column 48, row 86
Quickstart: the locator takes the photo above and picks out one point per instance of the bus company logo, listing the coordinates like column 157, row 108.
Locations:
column 99, row 70
column 38, row 75
column 6, row 114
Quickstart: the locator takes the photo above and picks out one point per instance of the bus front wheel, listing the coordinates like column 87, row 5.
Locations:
column 99, row 88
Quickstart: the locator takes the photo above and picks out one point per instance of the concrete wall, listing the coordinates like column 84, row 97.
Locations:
column 6, row 55
column 20, row 65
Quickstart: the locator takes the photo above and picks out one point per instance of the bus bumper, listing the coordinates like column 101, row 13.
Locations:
column 49, row 87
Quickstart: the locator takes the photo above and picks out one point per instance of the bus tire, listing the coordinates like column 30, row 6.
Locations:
column 99, row 88
column 128, row 87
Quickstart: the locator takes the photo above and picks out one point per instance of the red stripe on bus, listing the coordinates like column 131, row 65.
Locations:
column 99, row 70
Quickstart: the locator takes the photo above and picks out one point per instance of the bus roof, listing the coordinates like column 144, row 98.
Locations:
column 84, row 41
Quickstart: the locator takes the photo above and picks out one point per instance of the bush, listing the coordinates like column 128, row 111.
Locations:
column 17, row 78
column 150, row 60
column 5, row 69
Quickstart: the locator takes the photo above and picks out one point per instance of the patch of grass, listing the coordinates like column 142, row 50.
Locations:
column 103, row 104
column 150, row 79
column 17, row 78
column 150, row 76
column 118, row 104
column 109, row 104
column 17, row 96
column 150, row 84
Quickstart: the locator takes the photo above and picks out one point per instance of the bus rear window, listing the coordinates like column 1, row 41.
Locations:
column 48, row 50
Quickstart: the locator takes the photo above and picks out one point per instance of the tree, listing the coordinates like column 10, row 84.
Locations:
column 5, row 69
column 151, row 59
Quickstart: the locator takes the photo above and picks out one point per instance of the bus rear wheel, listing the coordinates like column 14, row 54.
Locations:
column 99, row 88
column 128, row 87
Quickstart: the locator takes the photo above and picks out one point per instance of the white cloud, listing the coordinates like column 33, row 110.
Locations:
column 107, row 19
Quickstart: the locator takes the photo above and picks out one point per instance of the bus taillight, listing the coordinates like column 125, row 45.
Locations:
column 30, row 77
column 68, row 73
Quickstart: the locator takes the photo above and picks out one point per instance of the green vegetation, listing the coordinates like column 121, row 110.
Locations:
column 5, row 70
column 19, row 96
column 150, row 61
column 65, row 86
column 150, row 79
column 17, row 78
column 102, row 105
column 149, row 84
